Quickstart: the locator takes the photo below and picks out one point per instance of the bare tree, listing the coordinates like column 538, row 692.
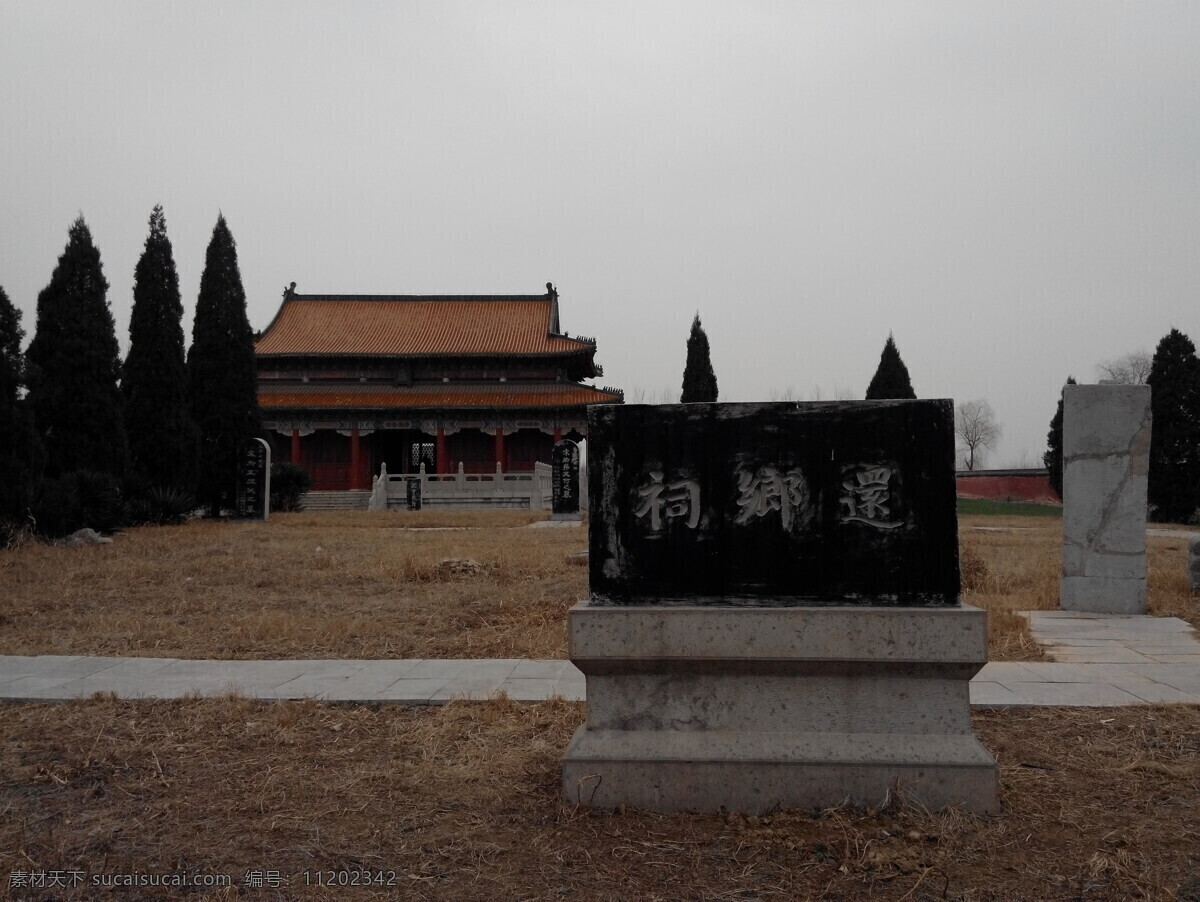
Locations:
column 976, row 427
column 640, row 395
column 1132, row 369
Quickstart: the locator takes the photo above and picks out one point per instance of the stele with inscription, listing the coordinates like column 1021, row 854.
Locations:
column 774, row 504
column 774, row 616
column 253, row 497
column 565, row 479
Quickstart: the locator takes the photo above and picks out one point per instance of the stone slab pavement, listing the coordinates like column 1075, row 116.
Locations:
column 1100, row 660
column 409, row 682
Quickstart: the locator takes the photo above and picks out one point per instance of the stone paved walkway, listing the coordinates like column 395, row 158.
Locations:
column 1101, row 660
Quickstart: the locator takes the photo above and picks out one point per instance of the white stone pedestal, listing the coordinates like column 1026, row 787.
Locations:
column 756, row 708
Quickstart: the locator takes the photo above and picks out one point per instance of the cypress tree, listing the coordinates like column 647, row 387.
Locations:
column 221, row 376
column 74, row 366
column 12, row 369
column 155, row 375
column 1174, row 483
column 18, row 441
column 699, row 380
column 1053, row 458
column 891, row 377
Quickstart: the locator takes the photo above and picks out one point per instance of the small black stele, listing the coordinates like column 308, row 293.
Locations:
column 813, row 503
column 254, row 464
column 565, row 475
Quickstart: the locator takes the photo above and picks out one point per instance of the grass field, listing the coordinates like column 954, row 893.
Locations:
column 370, row 585
column 985, row 507
column 462, row 802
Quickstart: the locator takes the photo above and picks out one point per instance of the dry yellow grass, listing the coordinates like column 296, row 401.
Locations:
column 1013, row 564
column 1010, row 564
column 368, row 585
column 462, row 803
column 1169, row 589
column 307, row 585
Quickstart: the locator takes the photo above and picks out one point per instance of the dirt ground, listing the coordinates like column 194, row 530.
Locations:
column 370, row 585
column 462, row 803
column 302, row 801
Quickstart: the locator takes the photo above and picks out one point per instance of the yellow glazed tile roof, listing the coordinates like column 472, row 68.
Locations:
column 416, row 325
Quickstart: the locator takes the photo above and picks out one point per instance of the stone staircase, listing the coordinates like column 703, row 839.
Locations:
column 336, row 501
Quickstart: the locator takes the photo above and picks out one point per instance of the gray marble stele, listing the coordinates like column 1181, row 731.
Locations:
column 1106, row 462
column 812, row 684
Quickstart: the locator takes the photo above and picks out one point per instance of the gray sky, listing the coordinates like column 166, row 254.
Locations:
column 1012, row 189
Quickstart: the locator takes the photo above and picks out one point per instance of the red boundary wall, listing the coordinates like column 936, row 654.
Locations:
column 1007, row 485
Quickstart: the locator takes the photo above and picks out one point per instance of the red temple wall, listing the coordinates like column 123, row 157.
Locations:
column 1007, row 487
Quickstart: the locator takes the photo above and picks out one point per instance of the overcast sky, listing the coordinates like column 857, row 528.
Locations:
column 1012, row 189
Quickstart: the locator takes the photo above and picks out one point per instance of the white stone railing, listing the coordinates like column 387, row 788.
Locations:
column 527, row 489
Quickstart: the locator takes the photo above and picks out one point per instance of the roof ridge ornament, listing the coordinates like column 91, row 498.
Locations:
column 552, row 294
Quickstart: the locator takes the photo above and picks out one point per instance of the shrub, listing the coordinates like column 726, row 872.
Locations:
column 55, row 510
column 77, row 500
column 288, row 483
column 161, row 506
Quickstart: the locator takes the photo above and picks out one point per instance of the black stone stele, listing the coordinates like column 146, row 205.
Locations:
column 565, row 478
column 814, row 503
column 254, row 462
column 414, row 493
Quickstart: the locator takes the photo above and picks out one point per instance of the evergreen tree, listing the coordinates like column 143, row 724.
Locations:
column 699, row 380
column 12, row 368
column 891, row 378
column 155, row 377
column 18, row 441
column 74, row 366
column 1053, row 458
column 221, row 375
column 1174, row 484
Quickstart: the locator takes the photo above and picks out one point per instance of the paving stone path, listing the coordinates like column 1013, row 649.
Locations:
column 1100, row 660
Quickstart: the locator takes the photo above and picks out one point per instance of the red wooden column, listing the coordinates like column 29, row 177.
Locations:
column 557, row 435
column 295, row 446
column 500, row 448
column 355, row 457
column 443, row 464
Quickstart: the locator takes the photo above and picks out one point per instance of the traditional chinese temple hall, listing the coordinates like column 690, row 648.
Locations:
column 347, row 383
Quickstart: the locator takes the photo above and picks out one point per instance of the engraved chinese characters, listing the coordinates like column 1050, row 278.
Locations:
column 774, row 503
column 565, row 479
column 679, row 498
column 866, row 495
column 254, row 479
column 767, row 489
